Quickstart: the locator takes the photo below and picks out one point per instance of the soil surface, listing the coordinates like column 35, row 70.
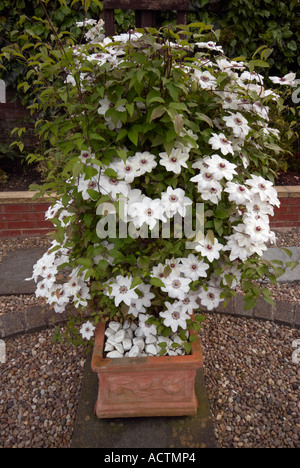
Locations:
column 288, row 178
column 18, row 177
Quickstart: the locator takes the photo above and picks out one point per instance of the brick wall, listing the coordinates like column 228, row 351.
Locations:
column 20, row 217
column 13, row 115
column 288, row 215
column 23, row 220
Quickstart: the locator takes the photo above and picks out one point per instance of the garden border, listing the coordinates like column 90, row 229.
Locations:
column 20, row 217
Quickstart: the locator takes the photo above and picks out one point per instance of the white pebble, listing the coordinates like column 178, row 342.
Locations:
column 108, row 347
column 151, row 349
column 133, row 326
column 129, row 334
column 114, row 354
column 151, row 339
column 115, row 326
column 119, row 347
column 139, row 332
column 126, row 325
column 119, row 336
column 111, row 340
column 139, row 342
column 127, row 344
column 109, row 332
column 134, row 352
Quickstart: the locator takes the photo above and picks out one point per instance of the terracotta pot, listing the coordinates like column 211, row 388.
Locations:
column 145, row 386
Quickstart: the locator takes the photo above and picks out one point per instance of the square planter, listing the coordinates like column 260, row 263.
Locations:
column 145, row 386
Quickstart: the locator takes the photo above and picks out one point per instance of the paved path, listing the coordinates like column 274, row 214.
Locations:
column 278, row 254
column 147, row 433
column 19, row 264
column 15, row 268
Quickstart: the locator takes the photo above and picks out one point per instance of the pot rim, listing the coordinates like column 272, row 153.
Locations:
column 101, row 364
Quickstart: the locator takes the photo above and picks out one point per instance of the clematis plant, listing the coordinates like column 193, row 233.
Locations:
column 143, row 128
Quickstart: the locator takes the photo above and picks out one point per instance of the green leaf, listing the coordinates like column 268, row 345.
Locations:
column 88, row 219
column 122, row 134
column 188, row 347
column 250, row 304
column 111, row 173
column 178, row 124
column 257, row 64
column 154, row 96
column 157, row 282
column 292, row 265
column 205, row 118
column 157, row 112
column 221, row 213
column 197, row 326
column 136, row 281
column 287, row 251
column 86, row 262
column 133, row 136
column 130, row 109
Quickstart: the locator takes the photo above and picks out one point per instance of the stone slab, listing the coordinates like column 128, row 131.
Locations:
column 15, row 268
column 137, row 433
column 278, row 254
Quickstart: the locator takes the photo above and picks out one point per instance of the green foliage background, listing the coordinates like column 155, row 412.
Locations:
column 248, row 24
column 244, row 26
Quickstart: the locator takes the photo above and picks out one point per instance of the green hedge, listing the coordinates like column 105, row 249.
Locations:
column 17, row 16
column 248, row 24
column 245, row 25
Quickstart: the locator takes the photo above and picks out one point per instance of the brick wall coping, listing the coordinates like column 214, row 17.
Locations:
column 9, row 198
column 22, row 216
column 26, row 197
column 288, row 191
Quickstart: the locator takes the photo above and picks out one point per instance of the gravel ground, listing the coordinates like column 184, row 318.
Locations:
column 39, row 389
column 252, row 384
column 288, row 237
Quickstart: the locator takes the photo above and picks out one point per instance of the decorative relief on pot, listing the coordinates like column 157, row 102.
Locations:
column 143, row 386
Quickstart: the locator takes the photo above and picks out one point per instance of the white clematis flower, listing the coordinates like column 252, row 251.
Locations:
column 122, row 292
column 220, row 167
column 238, row 193
column 174, row 161
column 87, row 330
column 209, row 249
column 264, row 189
column 113, row 187
column 174, row 316
column 238, row 123
column 210, row 298
column 288, row 79
column 194, row 268
column 145, row 162
column 175, row 286
column 175, row 201
column 206, row 80
column 220, row 142
column 147, row 211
